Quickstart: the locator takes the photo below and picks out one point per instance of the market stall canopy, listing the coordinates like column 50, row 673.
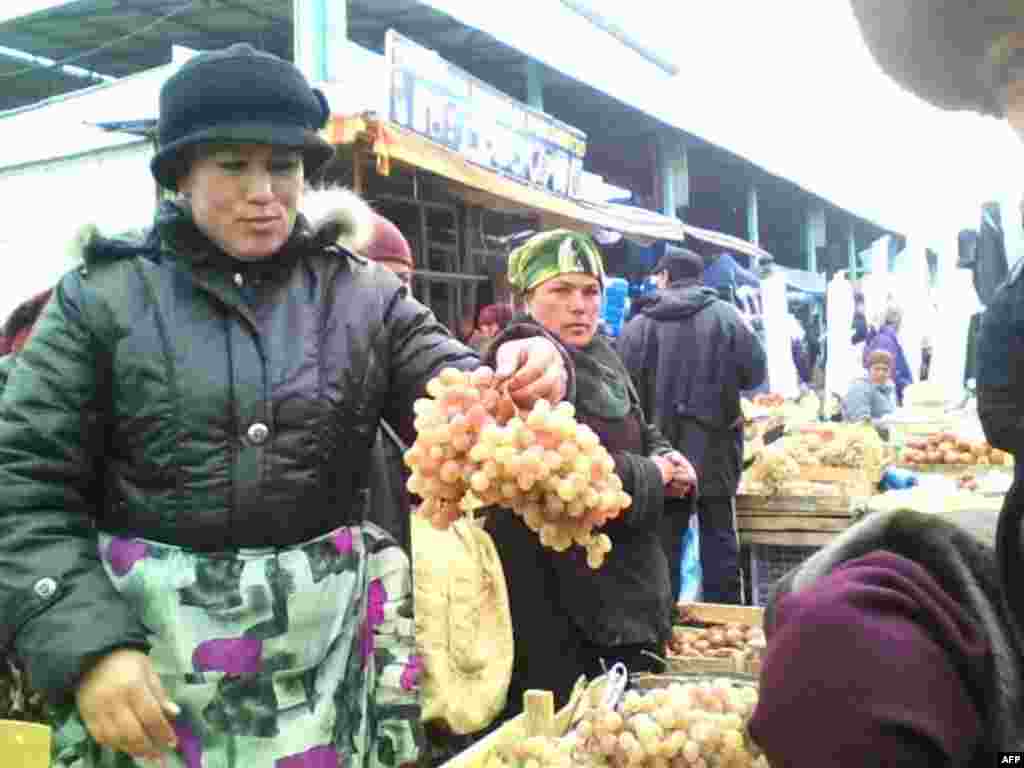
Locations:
column 948, row 52
column 481, row 186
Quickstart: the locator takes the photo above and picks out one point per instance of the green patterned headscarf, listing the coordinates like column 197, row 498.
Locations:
column 549, row 254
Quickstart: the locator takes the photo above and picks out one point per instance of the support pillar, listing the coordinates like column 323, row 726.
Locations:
column 673, row 173
column 753, row 227
column 534, row 84
column 320, row 31
column 814, row 234
column 851, row 250
column 667, row 174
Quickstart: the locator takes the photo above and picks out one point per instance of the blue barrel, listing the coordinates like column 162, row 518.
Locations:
column 616, row 296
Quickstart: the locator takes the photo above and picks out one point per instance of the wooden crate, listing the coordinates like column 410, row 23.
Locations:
column 717, row 613
column 517, row 729
column 956, row 470
column 795, row 521
column 698, row 665
column 854, row 482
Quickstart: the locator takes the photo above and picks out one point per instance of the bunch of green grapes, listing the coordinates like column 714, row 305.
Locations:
column 684, row 725
column 540, row 752
column 545, row 466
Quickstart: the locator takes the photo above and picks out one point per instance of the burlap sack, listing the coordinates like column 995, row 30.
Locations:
column 463, row 625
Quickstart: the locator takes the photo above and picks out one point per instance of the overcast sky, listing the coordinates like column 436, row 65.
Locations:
column 790, row 84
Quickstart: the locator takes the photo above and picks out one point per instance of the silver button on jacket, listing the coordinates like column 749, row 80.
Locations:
column 44, row 588
column 258, row 433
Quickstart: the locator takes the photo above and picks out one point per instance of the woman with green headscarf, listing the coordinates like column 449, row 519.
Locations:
column 567, row 618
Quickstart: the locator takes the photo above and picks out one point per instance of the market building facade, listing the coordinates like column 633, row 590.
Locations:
column 456, row 208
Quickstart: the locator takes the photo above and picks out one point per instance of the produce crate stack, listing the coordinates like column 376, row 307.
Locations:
column 794, row 521
column 809, row 487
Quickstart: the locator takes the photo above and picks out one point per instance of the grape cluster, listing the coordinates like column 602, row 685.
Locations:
column 683, row 725
column 473, row 449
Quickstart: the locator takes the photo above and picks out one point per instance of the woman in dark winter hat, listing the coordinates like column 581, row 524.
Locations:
column 226, row 602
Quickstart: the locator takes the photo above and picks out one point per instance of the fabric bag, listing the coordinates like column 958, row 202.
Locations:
column 463, row 625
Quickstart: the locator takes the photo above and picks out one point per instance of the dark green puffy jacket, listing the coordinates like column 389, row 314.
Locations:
column 170, row 393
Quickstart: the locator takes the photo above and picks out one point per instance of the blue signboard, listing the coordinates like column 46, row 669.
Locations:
column 436, row 99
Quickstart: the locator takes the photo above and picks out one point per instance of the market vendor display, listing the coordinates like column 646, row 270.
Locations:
column 906, row 628
column 568, row 617
column 788, row 465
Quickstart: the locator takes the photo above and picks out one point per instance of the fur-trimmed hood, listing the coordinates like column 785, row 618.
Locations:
column 335, row 215
column 957, row 552
column 341, row 212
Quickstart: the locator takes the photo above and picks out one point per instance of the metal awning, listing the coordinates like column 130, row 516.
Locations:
column 482, row 186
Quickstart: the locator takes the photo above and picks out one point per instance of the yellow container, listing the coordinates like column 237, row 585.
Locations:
column 24, row 745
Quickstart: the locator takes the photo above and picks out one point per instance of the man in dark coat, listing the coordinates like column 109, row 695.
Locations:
column 690, row 355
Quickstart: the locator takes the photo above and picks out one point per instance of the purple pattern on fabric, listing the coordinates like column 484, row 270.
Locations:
column 342, row 541
column 188, row 745
column 122, row 554
column 233, row 656
column 317, row 757
column 366, row 642
column 376, row 596
column 411, row 673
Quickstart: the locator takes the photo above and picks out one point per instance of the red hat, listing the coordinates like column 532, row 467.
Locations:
column 495, row 314
column 387, row 243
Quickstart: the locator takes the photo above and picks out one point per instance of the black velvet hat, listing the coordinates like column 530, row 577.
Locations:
column 239, row 94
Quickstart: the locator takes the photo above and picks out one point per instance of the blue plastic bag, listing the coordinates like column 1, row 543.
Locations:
column 689, row 564
column 897, row 478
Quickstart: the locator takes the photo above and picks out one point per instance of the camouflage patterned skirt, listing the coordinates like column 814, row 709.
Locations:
column 294, row 658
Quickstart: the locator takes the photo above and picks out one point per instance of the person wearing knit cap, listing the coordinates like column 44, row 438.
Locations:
column 188, row 568
column 389, row 248
column 691, row 354
column 354, row 225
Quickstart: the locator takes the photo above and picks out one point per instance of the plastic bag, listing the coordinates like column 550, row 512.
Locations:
column 690, row 571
